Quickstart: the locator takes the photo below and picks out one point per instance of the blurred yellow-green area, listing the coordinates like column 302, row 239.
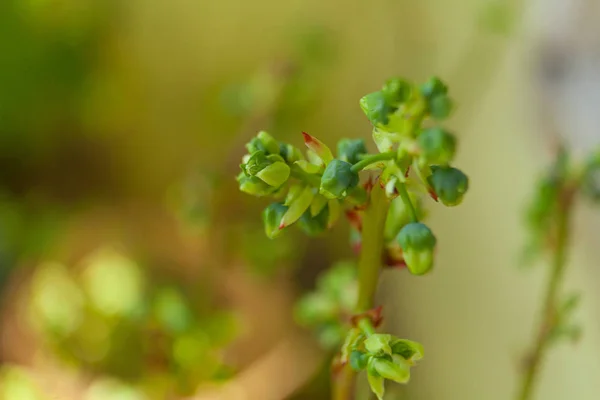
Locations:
column 131, row 268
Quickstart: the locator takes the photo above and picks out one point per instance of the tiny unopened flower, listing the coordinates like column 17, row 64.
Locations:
column 396, row 90
column 263, row 142
column 449, row 184
column 337, row 179
column 271, row 169
column 407, row 349
column 437, row 146
column 350, row 150
column 379, row 344
column 417, row 242
column 439, row 103
column 254, row 186
column 376, row 108
column 290, row 153
column 358, row 360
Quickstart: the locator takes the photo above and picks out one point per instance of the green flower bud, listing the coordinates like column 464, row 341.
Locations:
column 437, row 146
column 272, row 216
column 376, row 108
column 379, row 344
column 399, row 215
column 434, row 87
column 337, row 179
column 350, row 150
column 314, row 226
column 397, row 370
column 440, row 107
column 407, row 349
column 449, row 184
column 396, row 91
column 254, row 186
column 358, row 360
column 290, row 153
column 417, row 242
column 263, row 142
column 271, row 169
column 436, row 93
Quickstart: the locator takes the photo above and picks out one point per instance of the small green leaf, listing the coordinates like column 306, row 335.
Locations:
column 297, row 207
column 272, row 216
column 308, row 167
column 397, row 370
column 377, row 385
column 318, row 147
column 275, row 174
column 319, row 202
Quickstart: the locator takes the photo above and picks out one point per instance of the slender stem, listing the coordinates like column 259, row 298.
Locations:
column 369, row 266
column 401, row 186
column 549, row 319
column 366, row 326
column 373, row 158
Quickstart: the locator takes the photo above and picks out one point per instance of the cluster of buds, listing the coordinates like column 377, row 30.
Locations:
column 383, row 356
column 405, row 122
column 313, row 189
column 310, row 189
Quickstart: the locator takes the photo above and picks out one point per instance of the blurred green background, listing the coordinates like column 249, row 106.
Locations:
column 131, row 267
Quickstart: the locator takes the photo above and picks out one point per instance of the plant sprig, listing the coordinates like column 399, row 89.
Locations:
column 381, row 194
column 549, row 221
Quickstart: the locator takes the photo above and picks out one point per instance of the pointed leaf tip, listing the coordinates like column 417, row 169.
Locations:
column 318, row 147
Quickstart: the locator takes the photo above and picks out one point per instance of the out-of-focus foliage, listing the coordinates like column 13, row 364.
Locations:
column 111, row 317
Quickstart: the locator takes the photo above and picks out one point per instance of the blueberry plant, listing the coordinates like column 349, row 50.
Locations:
column 382, row 195
column 549, row 221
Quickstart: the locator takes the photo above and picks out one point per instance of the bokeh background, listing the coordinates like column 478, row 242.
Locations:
column 132, row 269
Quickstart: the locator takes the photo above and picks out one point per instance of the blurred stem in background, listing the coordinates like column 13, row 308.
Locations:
column 549, row 221
column 551, row 298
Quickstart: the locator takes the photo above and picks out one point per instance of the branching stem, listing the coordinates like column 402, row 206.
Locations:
column 369, row 267
column 549, row 317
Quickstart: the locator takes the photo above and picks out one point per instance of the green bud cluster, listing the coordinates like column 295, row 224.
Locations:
column 384, row 356
column 312, row 189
